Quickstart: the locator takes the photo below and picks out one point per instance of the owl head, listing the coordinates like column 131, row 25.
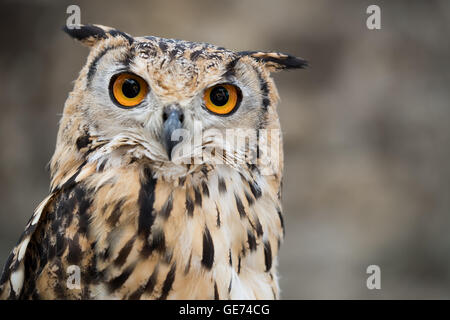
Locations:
column 169, row 103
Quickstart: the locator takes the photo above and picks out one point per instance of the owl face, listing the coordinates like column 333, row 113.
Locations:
column 169, row 101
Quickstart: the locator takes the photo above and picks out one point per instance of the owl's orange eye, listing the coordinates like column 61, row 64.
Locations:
column 222, row 99
column 128, row 89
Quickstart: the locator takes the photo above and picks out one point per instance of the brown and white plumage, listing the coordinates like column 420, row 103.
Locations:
column 141, row 224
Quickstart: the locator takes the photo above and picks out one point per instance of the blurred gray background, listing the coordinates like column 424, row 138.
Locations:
column 366, row 127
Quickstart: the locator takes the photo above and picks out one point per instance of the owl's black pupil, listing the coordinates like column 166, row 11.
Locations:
column 219, row 96
column 130, row 88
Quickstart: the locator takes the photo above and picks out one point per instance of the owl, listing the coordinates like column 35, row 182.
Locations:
column 152, row 196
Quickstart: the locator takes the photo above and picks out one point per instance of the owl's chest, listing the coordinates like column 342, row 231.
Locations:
column 214, row 237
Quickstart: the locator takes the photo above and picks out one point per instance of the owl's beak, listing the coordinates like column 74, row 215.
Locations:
column 173, row 119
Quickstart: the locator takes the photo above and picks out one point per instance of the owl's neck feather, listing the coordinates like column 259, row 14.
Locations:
column 215, row 220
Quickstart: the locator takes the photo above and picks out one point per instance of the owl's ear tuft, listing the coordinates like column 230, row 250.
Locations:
column 90, row 34
column 276, row 61
column 87, row 34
